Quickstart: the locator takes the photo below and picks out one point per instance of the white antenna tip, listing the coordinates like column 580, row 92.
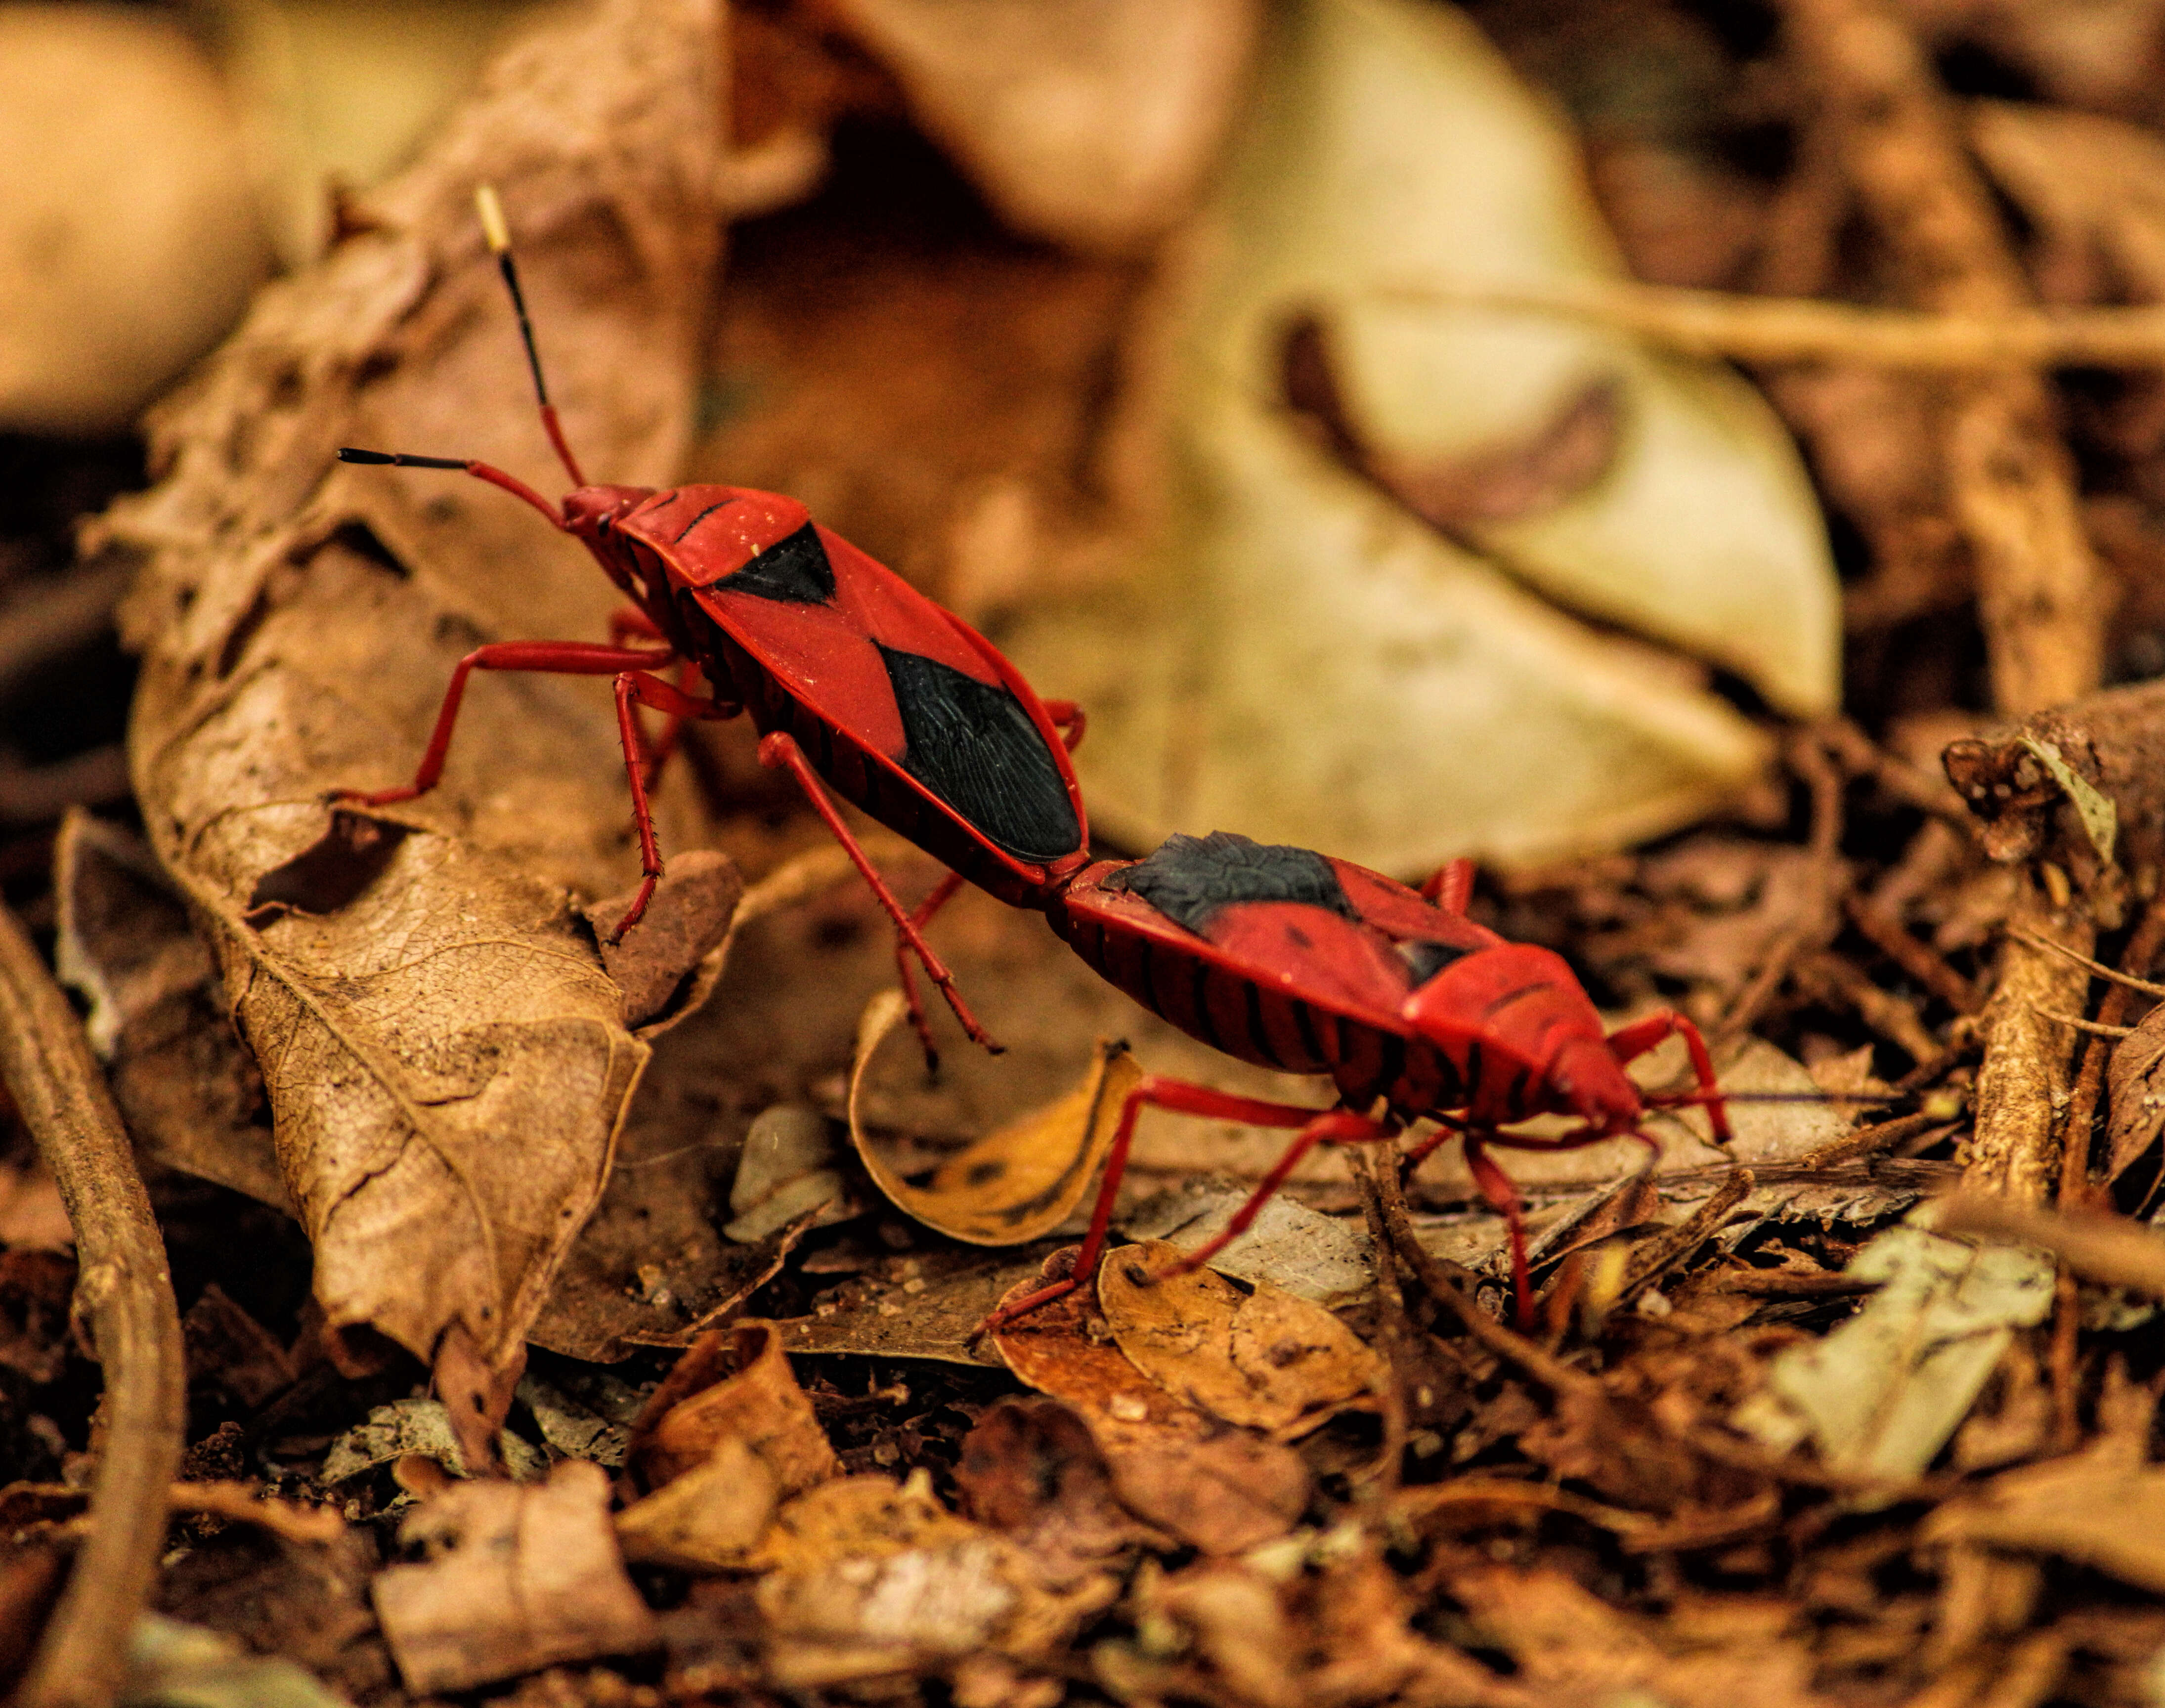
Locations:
column 492, row 224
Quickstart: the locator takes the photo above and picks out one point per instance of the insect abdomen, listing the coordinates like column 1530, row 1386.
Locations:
column 1208, row 1001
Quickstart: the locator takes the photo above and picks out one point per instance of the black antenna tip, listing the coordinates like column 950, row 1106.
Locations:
column 399, row 459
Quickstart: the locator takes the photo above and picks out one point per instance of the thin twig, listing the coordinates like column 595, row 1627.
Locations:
column 1870, row 1141
column 2117, row 975
column 1778, row 330
column 1818, row 915
column 2094, row 1028
column 126, row 1292
column 1370, row 1167
column 1920, row 960
column 1687, row 1236
column 1550, row 1371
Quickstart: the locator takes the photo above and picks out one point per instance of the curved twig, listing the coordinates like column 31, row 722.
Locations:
column 125, row 1292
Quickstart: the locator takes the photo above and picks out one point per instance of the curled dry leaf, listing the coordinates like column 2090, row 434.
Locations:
column 1264, row 1359
column 1089, row 123
column 1299, row 651
column 1014, row 1185
column 446, row 1059
column 760, row 1404
column 708, row 1518
column 517, row 1577
column 1221, row 1488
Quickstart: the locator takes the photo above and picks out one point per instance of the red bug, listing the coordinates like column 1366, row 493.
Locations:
column 849, row 673
column 1290, row 960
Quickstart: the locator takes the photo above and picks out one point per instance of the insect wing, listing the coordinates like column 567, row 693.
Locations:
column 868, row 654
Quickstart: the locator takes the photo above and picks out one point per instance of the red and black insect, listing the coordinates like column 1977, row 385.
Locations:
column 850, row 673
column 1278, row 955
column 1292, row 961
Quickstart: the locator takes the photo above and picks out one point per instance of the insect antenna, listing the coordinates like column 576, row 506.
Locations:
column 498, row 231
column 480, row 471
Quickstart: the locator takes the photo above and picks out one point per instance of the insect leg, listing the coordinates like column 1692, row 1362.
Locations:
column 569, row 658
column 942, row 893
column 1334, row 1127
column 1068, row 719
column 1183, row 1098
column 1504, row 1199
column 1640, row 1036
column 1450, row 886
column 659, row 750
column 636, row 686
column 629, row 620
column 780, row 750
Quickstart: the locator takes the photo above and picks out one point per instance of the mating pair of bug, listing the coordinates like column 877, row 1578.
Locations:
column 1282, row 957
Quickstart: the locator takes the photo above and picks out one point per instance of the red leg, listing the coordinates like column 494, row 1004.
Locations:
column 1183, row 1098
column 1450, row 886
column 942, row 893
column 636, row 686
column 780, row 751
column 1068, row 719
column 1503, row 1198
column 1628, row 1042
column 659, row 750
column 629, row 620
column 571, row 658
column 1334, row 1127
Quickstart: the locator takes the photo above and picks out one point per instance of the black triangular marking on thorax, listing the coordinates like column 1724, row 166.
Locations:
column 791, row 571
column 973, row 745
column 1190, row 877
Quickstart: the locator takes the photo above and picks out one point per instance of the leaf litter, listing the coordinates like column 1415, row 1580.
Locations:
column 1777, row 1435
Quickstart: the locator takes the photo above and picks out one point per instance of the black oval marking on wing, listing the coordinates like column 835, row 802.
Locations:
column 1425, row 959
column 971, row 743
column 1188, row 879
column 791, row 571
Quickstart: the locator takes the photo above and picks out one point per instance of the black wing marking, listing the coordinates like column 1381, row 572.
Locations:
column 791, row 571
column 719, row 504
column 1190, row 877
column 1425, row 959
column 971, row 743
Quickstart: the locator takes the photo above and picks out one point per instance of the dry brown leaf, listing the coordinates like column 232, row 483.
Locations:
column 1277, row 1637
column 446, row 1059
column 760, row 1404
column 1089, row 123
column 1572, row 1647
column 1264, row 1359
column 1014, row 1185
column 2135, row 1078
column 866, row 1577
column 518, row 1577
column 1221, row 1488
column 708, row 1518
column 1029, row 1468
column 191, row 1094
